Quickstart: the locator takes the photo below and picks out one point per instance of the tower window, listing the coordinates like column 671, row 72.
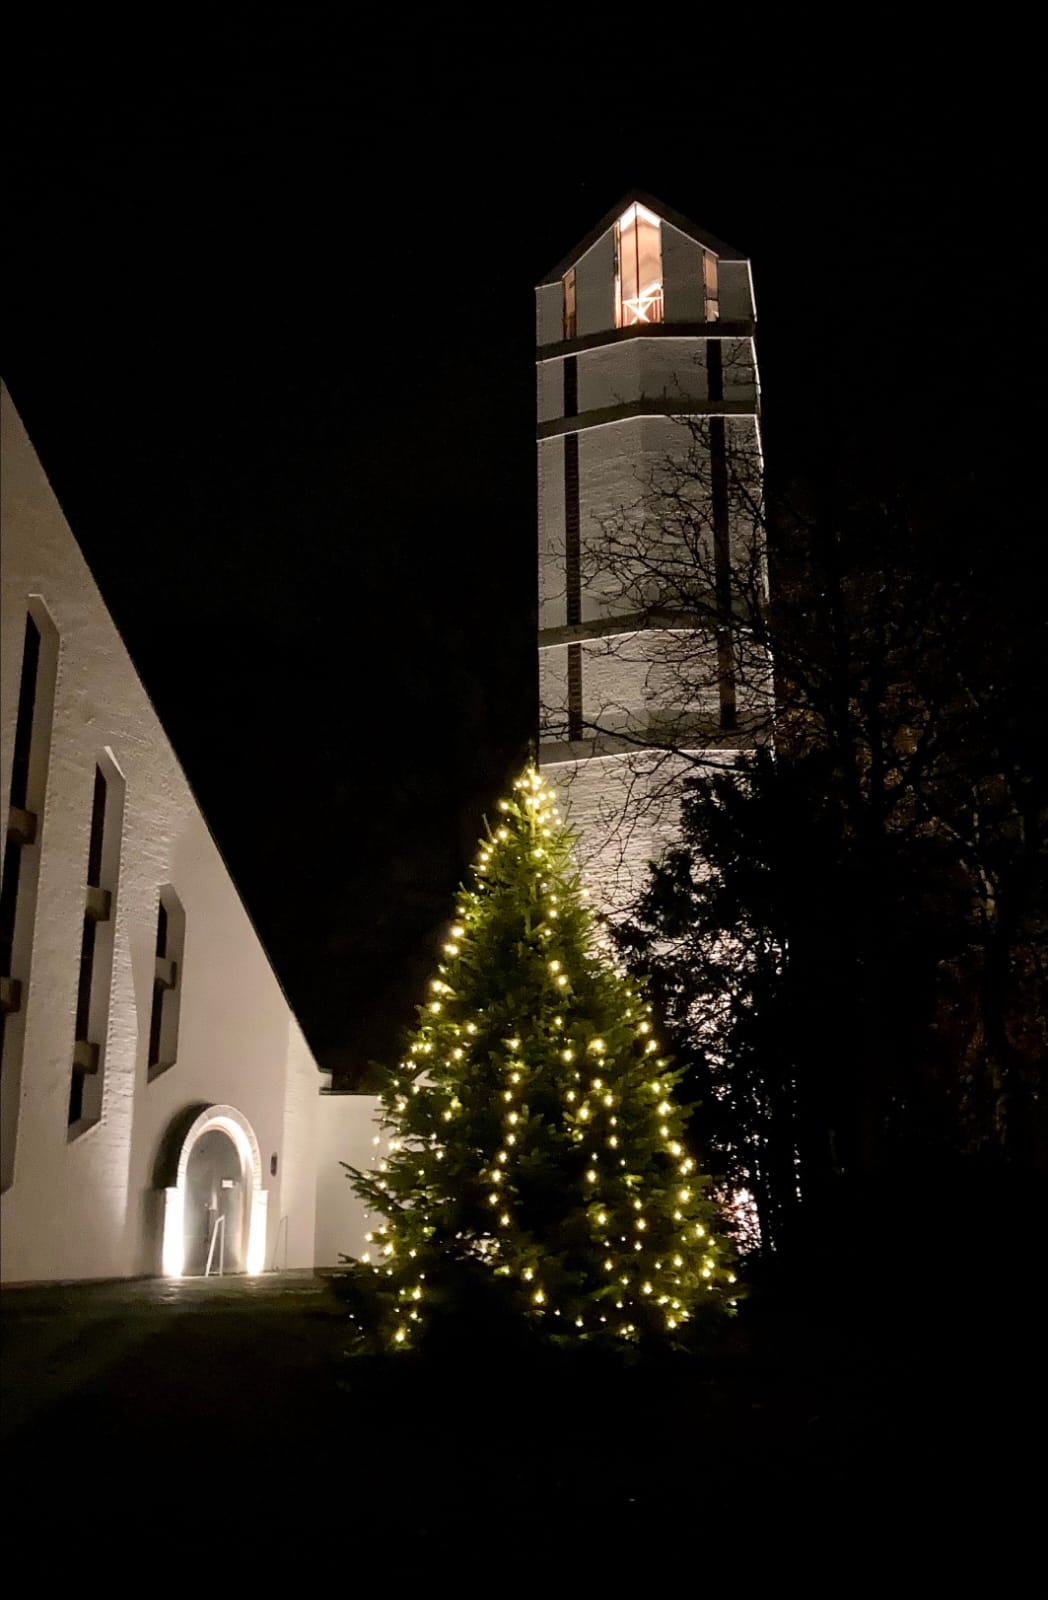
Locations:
column 569, row 304
column 710, row 286
column 638, row 267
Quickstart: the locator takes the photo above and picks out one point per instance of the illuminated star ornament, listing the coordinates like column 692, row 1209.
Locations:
column 638, row 267
column 531, row 1131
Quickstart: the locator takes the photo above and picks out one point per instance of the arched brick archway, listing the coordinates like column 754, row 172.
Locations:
column 231, row 1122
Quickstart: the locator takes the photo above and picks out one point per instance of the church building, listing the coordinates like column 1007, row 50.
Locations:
column 162, row 1112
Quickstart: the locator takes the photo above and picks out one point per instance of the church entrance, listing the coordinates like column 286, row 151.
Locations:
column 215, row 1211
column 214, row 1206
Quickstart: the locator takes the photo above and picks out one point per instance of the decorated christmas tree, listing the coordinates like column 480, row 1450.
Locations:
column 531, row 1136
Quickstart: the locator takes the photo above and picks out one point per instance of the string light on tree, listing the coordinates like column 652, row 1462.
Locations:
column 493, row 1137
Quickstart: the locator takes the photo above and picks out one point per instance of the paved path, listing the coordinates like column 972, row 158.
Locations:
column 126, row 1348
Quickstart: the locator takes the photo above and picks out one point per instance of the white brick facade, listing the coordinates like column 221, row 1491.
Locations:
column 91, row 1197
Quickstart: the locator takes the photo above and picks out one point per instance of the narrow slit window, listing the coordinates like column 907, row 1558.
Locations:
column 21, row 823
column 29, row 753
column 710, row 286
column 570, row 324
column 167, row 977
column 96, row 953
column 638, row 267
column 156, row 1015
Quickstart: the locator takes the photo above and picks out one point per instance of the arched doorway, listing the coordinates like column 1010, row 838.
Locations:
column 213, row 1217
column 217, row 1204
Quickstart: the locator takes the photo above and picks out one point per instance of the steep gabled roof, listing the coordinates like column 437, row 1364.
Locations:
column 719, row 248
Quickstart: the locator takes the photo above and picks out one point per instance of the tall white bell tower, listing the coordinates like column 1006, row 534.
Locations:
column 648, row 399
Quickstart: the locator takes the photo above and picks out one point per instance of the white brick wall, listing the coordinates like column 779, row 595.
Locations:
column 552, row 612
column 625, row 810
column 347, row 1127
column 87, row 1206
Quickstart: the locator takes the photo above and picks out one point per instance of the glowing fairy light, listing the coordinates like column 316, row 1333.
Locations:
column 445, row 1052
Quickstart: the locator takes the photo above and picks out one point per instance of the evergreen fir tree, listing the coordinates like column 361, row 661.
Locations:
column 531, row 1132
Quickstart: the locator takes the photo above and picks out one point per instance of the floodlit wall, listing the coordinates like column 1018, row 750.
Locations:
column 347, row 1128
column 84, row 1201
column 625, row 810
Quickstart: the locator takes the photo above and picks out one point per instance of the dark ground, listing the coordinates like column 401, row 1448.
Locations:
column 218, row 1418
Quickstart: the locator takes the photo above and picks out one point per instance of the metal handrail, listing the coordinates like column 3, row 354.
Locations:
column 218, row 1235
column 283, row 1223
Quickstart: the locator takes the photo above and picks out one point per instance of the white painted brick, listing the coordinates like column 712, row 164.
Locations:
column 88, row 1207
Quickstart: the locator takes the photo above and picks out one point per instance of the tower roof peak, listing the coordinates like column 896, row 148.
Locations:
column 666, row 213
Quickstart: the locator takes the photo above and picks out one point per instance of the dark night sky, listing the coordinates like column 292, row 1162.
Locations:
column 272, row 335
